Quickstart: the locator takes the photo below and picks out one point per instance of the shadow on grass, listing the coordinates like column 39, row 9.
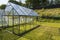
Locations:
column 4, row 35
column 12, row 36
column 22, row 34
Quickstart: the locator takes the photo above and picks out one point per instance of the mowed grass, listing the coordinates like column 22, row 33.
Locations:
column 49, row 29
column 50, row 23
column 47, row 24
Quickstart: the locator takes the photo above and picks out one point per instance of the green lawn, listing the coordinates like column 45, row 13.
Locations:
column 47, row 31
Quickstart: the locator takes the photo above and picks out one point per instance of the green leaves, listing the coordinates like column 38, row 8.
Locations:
column 32, row 3
column 2, row 6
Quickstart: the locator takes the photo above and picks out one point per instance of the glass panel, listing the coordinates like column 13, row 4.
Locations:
column 17, row 9
column 8, row 8
column 21, row 8
column 3, row 22
column 23, row 11
column 30, row 12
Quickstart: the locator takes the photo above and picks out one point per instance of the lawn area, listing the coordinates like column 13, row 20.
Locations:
column 47, row 24
column 47, row 31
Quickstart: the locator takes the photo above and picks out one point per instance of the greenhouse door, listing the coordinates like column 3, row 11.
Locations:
column 16, row 25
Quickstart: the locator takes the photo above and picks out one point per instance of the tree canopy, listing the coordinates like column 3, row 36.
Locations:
column 2, row 6
column 14, row 1
column 32, row 3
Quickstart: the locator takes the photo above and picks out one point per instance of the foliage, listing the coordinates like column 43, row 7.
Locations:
column 49, row 13
column 44, row 3
column 32, row 3
column 2, row 6
column 14, row 1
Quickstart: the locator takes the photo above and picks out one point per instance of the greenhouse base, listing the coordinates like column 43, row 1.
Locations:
column 26, row 31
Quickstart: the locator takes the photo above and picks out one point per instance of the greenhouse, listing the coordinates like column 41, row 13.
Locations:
column 19, row 19
column 3, row 22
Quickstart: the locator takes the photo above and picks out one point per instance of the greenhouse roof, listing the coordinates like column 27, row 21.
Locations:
column 20, row 10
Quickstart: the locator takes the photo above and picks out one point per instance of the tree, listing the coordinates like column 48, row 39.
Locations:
column 57, row 1
column 14, row 1
column 2, row 6
column 27, row 3
column 43, row 3
column 33, row 3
